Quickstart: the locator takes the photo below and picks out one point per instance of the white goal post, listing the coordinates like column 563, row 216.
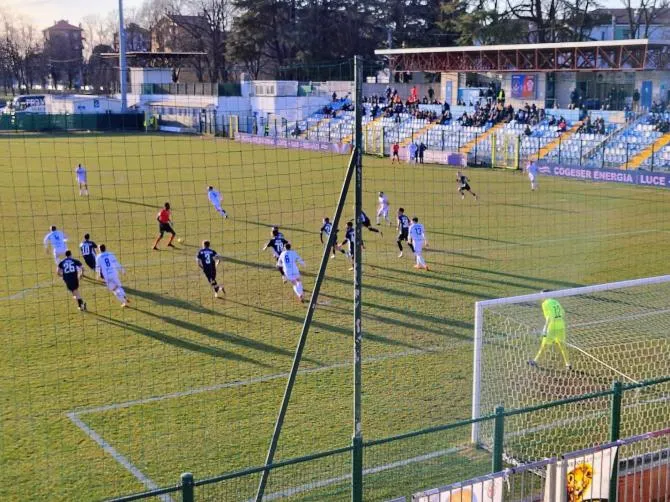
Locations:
column 615, row 331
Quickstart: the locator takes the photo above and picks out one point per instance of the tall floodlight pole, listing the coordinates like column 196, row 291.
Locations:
column 123, row 68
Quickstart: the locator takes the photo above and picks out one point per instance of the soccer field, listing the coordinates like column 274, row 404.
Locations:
column 182, row 381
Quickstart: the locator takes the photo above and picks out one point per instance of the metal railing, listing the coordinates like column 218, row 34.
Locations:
column 435, row 456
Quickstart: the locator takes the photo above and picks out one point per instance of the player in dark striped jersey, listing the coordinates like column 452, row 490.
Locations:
column 365, row 221
column 326, row 229
column 71, row 271
column 208, row 260
column 403, row 230
column 276, row 244
column 88, row 250
column 464, row 185
column 350, row 239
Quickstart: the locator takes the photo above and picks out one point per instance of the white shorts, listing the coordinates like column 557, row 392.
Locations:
column 383, row 211
column 418, row 247
column 81, row 181
column 113, row 282
column 531, row 177
column 58, row 253
column 292, row 276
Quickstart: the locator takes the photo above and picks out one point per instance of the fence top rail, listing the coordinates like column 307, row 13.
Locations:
column 150, row 493
column 516, row 411
column 573, row 291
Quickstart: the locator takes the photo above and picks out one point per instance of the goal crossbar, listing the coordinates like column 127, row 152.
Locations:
column 481, row 306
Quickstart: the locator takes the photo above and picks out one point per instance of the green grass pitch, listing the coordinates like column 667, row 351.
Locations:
column 185, row 382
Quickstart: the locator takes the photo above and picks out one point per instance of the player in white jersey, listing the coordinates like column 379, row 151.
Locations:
column 216, row 199
column 383, row 208
column 108, row 267
column 80, row 173
column 56, row 239
column 289, row 261
column 531, row 169
column 417, row 238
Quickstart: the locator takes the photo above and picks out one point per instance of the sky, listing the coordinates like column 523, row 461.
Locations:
column 43, row 13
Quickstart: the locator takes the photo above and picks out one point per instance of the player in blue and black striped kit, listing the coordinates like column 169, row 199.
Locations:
column 208, row 260
column 71, row 270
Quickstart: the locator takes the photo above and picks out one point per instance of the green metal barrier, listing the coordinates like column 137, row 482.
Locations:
column 396, row 465
column 34, row 122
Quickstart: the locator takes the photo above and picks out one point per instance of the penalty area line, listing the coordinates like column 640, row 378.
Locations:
column 121, row 459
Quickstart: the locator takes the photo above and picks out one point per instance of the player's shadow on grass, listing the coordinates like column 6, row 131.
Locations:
column 330, row 277
column 458, row 253
column 535, row 207
column 543, row 281
column 131, row 202
column 476, row 238
column 225, row 337
column 270, row 225
column 176, row 302
column 337, row 329
column 178, row 342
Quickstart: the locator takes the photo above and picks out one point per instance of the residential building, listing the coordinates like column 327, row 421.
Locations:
column 614, row 24
column 63, row 50
column 138, row 39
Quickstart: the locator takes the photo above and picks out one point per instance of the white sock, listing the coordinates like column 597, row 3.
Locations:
column 120, row 294
column 297, row 287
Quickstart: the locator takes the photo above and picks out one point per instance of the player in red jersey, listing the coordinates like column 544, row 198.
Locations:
column 164, row 219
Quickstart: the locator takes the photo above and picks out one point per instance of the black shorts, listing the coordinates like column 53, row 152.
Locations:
column 210, row 273
column 395, row 154
column 165, row 227
column 90, row 261
column 465, row 187
column 404, row 234
column 72, row 284
column 366, row 222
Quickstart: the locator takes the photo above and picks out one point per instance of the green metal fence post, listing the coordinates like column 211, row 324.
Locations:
column 187, row 486
column 498, row 435
column 615, row 431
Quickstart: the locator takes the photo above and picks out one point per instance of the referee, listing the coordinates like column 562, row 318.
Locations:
column 164, row 219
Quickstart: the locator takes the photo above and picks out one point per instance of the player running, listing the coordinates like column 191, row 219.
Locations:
column 365, row 221
column 350, row 239
column 383, row 208
column 88, row 250
column 108, row 267
column 215, row 198
column 403, row 230
column 71, row 271
column 164, row 219
column 288, row 260
column 208, row 260
column 417, row 238
column 326, row 229
column 56, row 239
column 531, row 169
column 277, row 243
column 464, row 185
column 554, row 331
column 80, row 173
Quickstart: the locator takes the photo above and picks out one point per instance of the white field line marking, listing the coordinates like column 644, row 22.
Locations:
column 108, row 448
column 20, row 294
column 371, row 470
column 251, row 381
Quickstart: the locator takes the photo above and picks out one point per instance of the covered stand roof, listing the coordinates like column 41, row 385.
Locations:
column 609, row 55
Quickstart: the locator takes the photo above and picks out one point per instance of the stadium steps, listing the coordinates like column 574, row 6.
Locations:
column 418, row 134
column 350, row 138
column 467, row 148
column 549, row 147
column 311, row 131
column 639, row 159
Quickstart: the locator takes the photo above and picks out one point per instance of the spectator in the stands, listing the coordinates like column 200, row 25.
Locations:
column 334, row 96
column 431, row 94
column 527, row 131
column 636, row 100
column 562, row 125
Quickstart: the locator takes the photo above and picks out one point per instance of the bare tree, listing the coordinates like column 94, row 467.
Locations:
column 642, row 17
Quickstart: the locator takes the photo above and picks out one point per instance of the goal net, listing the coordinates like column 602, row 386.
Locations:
column 615, row 332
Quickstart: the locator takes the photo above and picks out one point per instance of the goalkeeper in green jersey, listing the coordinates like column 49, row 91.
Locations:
column 554, row 330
